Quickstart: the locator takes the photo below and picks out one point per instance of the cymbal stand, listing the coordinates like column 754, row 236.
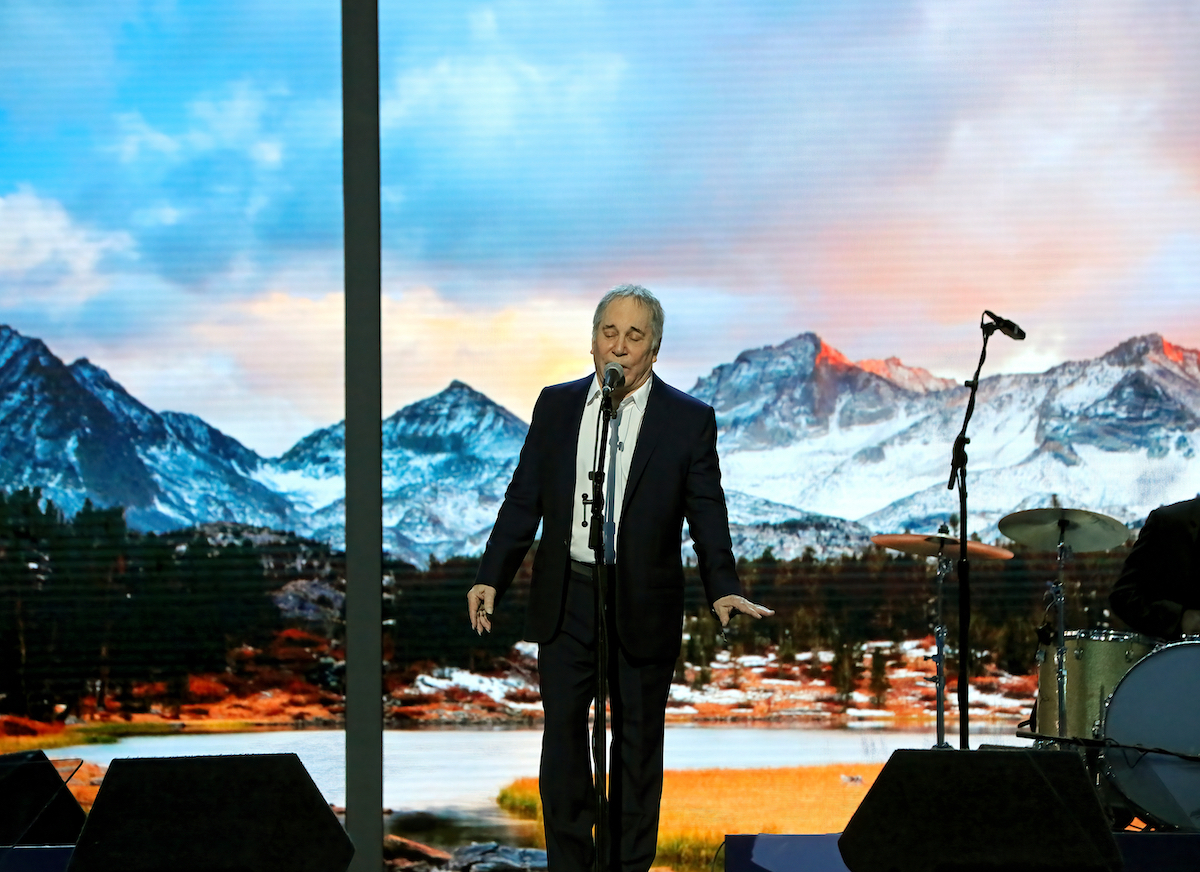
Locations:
column 944, row 565
column 1060, row 608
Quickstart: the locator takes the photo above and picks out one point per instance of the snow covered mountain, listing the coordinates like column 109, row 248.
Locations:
column 817, row 451
column 75, row 433
column 447, row 460
column 801, row 425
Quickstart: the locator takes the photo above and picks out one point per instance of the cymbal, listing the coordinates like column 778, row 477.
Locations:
column 1082, row 531
column 931, row 546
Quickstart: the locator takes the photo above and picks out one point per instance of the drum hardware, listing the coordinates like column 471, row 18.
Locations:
column 1060, row 652
column 939, row 635
column 1068, row 531
column 935, row 546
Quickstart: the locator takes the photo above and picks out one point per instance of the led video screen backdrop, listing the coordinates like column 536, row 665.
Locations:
column 825, row 197
column 806, row 184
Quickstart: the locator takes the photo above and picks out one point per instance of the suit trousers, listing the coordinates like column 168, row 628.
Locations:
column 638, row 692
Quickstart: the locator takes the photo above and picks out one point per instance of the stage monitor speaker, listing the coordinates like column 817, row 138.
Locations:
column 250, row 813
column 953, row 811
column 36, row 808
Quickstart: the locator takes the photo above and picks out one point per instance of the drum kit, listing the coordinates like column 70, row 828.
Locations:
column 1130, row 704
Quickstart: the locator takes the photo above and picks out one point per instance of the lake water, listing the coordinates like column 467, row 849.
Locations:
column 459, row 772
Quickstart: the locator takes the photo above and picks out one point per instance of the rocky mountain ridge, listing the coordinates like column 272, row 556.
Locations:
column 817, row 451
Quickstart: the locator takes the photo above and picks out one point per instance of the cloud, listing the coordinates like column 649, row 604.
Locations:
column 265, row 368
column 493, row 98
column 244, row 118
column 1047, row 201
column 282, row 366
column 209, row 128
column 877, row 172
column 269, row 369
column 866, row 173
column 509, row 350
column 248, row 177
column 138, row 139
column 45, row 254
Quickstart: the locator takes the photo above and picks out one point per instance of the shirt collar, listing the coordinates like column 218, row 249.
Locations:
column 638, row 397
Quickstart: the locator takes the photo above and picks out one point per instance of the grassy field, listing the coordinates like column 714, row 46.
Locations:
column 701, row 806
column 100, row 733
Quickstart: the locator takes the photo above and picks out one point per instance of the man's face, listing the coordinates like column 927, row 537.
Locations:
column 625, row 337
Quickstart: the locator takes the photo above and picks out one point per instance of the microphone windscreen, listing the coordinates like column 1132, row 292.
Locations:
column 614, row 375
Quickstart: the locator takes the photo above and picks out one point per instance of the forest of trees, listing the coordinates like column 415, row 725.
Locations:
column 837, row 605
column 90, row 608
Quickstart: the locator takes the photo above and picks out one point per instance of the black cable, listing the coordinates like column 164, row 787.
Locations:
column 1108, row 743
column 712, row 865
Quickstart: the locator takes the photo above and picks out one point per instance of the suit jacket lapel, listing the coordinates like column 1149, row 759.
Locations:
column 654, row 424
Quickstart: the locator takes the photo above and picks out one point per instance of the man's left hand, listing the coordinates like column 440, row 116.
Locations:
column 727, row 605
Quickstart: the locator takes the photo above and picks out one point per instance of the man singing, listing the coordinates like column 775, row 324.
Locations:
column 661, row 469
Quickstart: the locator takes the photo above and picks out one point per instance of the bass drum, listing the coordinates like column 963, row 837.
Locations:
column 1156, row 708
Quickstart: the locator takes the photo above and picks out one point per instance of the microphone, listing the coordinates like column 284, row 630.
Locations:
column 1008, row 328
column 614, row 377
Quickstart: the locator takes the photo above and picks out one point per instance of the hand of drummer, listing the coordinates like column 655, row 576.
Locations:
column 481, row 599
column 727, row 605
column 1189, row 622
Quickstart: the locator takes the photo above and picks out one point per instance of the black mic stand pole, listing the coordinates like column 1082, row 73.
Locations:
column 958, row 473
column 600, row 583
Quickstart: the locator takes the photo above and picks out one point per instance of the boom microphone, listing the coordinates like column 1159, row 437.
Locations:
column 614, row 376
column 1008, row 328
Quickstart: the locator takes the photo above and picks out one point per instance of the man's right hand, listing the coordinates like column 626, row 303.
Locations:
column 481, row 599
column 1189, row 622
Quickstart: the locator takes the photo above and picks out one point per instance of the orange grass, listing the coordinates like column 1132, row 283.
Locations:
column 701, row 806
column 13, row 744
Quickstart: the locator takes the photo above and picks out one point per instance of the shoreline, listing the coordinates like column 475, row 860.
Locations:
column 757, row 691
column 424, row 769
column 107, row 732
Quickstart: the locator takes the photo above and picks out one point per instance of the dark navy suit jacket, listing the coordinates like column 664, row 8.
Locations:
column 673, row 476
column 1161, row 576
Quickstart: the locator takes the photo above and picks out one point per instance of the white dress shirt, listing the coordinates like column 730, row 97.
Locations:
column 622, row 438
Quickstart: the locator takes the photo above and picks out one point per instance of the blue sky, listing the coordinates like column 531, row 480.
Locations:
column 876, row 172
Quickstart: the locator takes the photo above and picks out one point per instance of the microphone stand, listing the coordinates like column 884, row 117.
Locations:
column 958, row 473
column 600, row 584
